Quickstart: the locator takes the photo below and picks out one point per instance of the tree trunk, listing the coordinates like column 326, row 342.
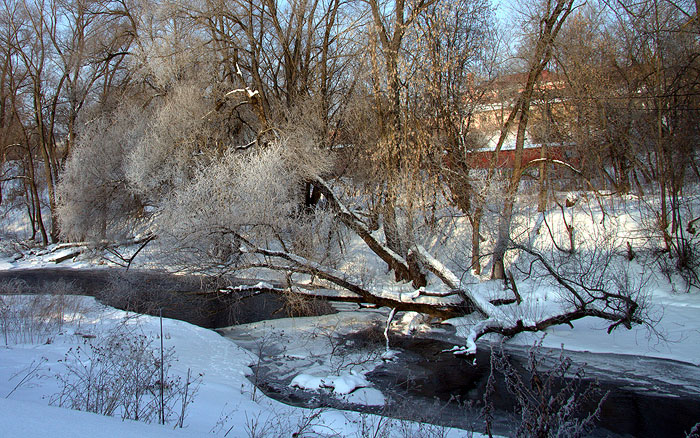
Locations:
column 542, row 195
column 36, row 199
column 504, row 221
column 549, row 28
column 476, row 241
column 391, row 228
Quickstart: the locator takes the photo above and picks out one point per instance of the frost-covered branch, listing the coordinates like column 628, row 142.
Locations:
column 584, row 301
column 437, row 268
column 601, row 300
column 510, row 329
column 250, row 93
column 538, row 161
column 251, row 290
column 587, row 292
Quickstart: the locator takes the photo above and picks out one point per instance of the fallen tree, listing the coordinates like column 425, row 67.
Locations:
column 267, row 241
column 239, row 211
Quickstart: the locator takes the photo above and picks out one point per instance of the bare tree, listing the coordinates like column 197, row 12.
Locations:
column 63, row 51
column 633, row 85
column 452, row 46
column 548, row 24
column 14, row 39
column 97, row 40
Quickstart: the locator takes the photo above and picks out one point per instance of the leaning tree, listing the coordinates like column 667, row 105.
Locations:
column 227, row 152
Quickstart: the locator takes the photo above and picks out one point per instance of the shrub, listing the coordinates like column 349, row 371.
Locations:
column 299, row 304
column 38, row 317
column 550, row 400
column 120, row 375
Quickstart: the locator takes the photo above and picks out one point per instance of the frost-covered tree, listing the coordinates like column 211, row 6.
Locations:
column 94, row 199
column 252, row 196
column 61, row 56
column 162, row 158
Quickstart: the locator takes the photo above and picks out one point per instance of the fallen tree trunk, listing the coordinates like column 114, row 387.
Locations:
column 442, row 306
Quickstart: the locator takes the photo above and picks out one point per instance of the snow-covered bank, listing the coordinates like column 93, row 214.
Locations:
column 673, row 333
column 225, row 404
column 35, row 420
column 228, row 403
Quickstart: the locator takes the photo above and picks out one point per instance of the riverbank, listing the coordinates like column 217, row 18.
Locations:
column 225, row 403
column 646, row 397
column 633, row 373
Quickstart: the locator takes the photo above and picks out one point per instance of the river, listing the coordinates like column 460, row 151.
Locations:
column 647, row 397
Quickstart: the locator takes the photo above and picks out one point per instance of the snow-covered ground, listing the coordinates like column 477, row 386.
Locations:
column 676, row 329
column 226, row 403
column 676, row 335
column 35, row 420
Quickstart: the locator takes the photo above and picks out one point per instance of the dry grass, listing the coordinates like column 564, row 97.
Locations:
column 31, row 315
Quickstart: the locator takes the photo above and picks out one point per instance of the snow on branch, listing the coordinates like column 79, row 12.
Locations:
column 402, row 302
column 480, row 303
column 436, row 267
column 536, row 161
column 519, row 326
column 250, row 93
column 252, row 289
column 65, row 251
column 396, row 262
column 600, row 302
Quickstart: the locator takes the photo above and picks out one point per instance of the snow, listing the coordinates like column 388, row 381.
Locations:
column 366, row 397
column 314, row 345
column 306, row 381
column 224, row 364
column 389, row 355
column 227, row 399
column 225, row 402
column 61, row 254
column 245, row 287
column 675, row 335
column 479, row 300
column 674, row 330
column 343, row 384
column 34, row 420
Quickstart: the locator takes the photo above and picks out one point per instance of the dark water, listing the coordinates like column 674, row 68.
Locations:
column 187, row 298
column 425, row 373
column 423, row 383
